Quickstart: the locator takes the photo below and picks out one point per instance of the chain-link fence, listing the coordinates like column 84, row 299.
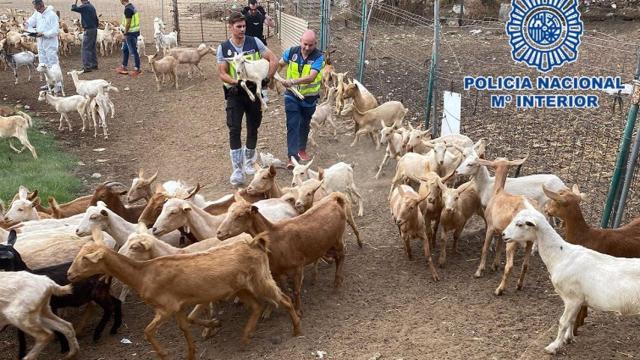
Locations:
column 579, row 145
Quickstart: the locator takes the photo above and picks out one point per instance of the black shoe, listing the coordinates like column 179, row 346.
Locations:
column 86, row 70
column 94, row 67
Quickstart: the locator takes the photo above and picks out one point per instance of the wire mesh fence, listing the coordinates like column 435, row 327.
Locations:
column 579, row 145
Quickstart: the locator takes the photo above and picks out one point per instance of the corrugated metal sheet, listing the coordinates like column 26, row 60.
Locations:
column 292, row 29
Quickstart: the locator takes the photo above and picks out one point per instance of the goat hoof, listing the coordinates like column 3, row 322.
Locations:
column 519, row 286
column 478, row 274
column 498, row 292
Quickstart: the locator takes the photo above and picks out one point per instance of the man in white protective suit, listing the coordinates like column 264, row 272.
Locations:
column 44, row 23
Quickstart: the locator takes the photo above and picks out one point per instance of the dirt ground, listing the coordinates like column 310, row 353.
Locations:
column 388, row 307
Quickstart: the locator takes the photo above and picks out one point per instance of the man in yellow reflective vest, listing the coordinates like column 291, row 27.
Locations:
column 131, row 28
column 238, row 103
column 304, row 71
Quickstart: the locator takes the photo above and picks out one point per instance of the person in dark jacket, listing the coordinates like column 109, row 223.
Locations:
column 256, row 16
column 89, row 21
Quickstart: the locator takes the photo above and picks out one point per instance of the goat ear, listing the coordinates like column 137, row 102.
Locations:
column 254, row 209
column 308, row 166
column 193, row 192
column 319, row 184
column 104, row 212
column 518, row 162
column 95, row 256
column 272, row 170
column 480, row 147
column 35, row 202
column 97, row 235
column 294, row 161
column 485, row 162
column 142, row 228
column 400, row 190
column 141, row 173
column 576, row 190
column 22, row 193
column 33, row 195
column 12, row 238
column 551, row 194
column 320, row 173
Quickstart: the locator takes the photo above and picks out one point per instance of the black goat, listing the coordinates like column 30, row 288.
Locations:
column 85, row 291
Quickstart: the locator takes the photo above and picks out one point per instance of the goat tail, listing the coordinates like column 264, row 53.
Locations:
column 345, row 203
column 27, row 118
column 58, row 290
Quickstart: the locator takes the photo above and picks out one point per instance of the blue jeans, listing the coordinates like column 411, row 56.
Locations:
column 298, row 120
column 131, row 46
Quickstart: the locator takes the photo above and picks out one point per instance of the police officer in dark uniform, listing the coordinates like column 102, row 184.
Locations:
column 238, row 103
column 256, row 16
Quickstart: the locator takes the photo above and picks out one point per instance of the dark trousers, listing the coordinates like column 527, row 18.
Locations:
column 238, row 105
column 88, row 52
column 298, row 121
column 131, row 46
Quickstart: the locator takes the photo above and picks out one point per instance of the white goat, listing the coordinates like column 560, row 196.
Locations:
column 164, row 42
column 25, row 305
column 141, row 45
column 251, row 70
column 15, row 61
column 114, row 225
column 53, row 75
column 192, row 56
column 579, row 275
column 65, row 105
column 90, row 88
column 338, row 177
column 22, row 209
column 101, row 105
column 16, row 126
column 168, row 65
column 323, row 112
column 529, row 186
column 394, row 137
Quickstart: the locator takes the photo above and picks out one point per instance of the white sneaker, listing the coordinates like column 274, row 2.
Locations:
column 265, row 96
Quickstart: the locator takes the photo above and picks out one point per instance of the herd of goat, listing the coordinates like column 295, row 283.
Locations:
column 179, row 250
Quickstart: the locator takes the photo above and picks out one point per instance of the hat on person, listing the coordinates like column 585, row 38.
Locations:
column 253, row 2
column 37, row 2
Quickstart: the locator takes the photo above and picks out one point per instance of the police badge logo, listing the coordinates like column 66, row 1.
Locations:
column 544, row 34
column 294, row 57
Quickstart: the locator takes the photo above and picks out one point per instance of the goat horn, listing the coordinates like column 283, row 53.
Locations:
column 114, row 183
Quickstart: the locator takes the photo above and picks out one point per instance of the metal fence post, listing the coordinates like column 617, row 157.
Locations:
column 433, row 70
column 201, row 28
column 623, row 151
column 630, row 168
column 176, row 18
column 363, row 29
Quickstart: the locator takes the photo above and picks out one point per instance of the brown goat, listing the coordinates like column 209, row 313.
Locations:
column 294, row 243
column 405, row 209
column 107, row 193
column 172, row 283
column 73, row 207
column 621, row 242
column 154, row 204
column 264, row 184
column 500, row 210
